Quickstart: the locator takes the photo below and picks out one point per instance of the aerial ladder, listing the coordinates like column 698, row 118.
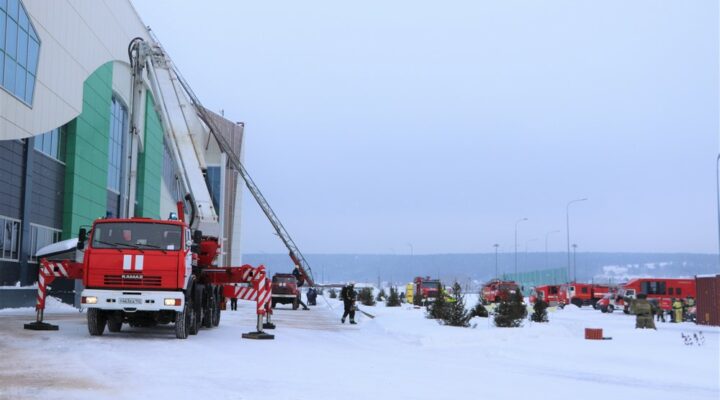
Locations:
column 167, row 75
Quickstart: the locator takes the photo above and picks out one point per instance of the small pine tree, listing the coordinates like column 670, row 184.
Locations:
column 394, row 299
column 438, row 309
column 381, row 295
column 540, row 314
column 366, row 297
column 510, row 313
column 333, row 293
column 456, row 314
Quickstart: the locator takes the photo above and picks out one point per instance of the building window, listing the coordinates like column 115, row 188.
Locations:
column 51, row 143
column 212, row 178
column 41, row 236
column 118, row 127
column 9, row 238
column 19, row 50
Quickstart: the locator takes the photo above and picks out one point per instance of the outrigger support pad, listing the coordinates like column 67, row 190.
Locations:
column 268, row 323
column 39, row 325
column 259, row 334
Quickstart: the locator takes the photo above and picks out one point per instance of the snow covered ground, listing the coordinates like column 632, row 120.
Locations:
column 398, row 355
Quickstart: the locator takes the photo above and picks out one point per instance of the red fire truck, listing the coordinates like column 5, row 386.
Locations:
column 582, row 294
column 496, row 290
column 425, row 290
column 662, row 290
column 285, row 290
column 547, row 293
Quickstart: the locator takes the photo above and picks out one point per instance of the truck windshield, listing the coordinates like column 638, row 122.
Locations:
column 140, row 235
column 431, row 285
column 284, row 279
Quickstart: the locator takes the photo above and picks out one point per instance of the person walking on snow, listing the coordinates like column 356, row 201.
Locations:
column 677, row 307
column 348, row 295
column 644, row 312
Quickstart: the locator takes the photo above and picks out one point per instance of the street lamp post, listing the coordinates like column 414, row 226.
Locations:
column 574, row 262
column 567, row 220
column 496, row 259
column 516, row 225
column 547, row 265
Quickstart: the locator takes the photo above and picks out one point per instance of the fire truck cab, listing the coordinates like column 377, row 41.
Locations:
column 496, row 290
column 547, row 293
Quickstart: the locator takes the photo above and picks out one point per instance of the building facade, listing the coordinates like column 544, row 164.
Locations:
column 77, row 143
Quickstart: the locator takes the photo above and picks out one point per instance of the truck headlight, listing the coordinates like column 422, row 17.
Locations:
column 89, row 300
column 173, row 302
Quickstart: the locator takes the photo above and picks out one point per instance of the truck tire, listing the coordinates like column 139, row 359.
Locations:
column 577, row 302
column 196, row 311
column 273, row 303
column 603, row 309
column 208, row 310
column 182, row 323
column 295, row 304
column 217, row 310
column 114, row 325
column 610, row 308
column 96, row 321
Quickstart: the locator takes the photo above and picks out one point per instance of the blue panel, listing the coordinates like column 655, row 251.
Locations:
column 29, row 89
column 2, row 30
column 20, row 82
column 22, row 48
column 3, row 4
column 33, row 53
column 13, row 8
column 9, row 77
column 23, row 19
column 11, row 38
column 2, row 66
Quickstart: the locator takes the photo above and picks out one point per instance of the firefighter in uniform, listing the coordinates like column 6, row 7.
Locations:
column 660, row 313
column 643, row 311
column 348, row 295
column 677, row 307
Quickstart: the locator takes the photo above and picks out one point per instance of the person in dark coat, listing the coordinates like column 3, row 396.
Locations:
column 312, row 297
column 348, row 295
column 233, row 304
column 299, row 276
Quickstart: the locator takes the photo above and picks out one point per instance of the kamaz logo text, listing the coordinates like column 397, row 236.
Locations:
column 133, row 263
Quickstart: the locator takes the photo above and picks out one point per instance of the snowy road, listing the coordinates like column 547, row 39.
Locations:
column 398, row 355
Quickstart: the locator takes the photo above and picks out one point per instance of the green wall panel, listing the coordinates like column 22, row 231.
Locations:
column 86, row 155
column 150, row 164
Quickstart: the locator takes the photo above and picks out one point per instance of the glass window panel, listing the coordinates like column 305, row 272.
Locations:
column 11, row 38
column 2, row 30
column 2, row 237
column 2, row 67
column 12, row 9
column 20, row 82
column 47, row 143
column 9, row 76
column 54, row 136
column 23, row 19
column 29, row 88
column 22, row 48
column 33, row 34
column 8, row 239
column 16, row 241
column 33, row 53
column 38, row 142
column 3, row 4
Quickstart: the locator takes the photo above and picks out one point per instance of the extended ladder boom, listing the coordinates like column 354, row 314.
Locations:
column 234, row 160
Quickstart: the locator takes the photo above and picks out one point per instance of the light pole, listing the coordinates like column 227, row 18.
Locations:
column 567, row 220
column 574, row 262
column 547, row 265
column 496, row 259
column 516, row 225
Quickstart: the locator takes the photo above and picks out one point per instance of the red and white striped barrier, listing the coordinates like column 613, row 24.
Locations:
column 47, row 273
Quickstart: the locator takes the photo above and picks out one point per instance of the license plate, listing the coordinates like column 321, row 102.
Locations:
column 125, row 300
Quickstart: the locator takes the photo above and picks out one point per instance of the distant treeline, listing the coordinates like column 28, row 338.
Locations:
column 481, row 267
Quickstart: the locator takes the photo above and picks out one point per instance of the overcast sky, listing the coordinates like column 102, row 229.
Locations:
column 378, row 126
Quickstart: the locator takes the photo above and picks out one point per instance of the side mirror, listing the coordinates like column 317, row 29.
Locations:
column 197, row 236
column 82, row 237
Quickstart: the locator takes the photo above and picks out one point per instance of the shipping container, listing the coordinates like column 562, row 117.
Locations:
column 708, row 300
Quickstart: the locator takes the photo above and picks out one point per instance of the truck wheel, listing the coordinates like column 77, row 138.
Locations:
column 217, row 311
column 196, row 314
column 273, row 303
column 182, row 323
column 96, row 321
column 603, row 309
column 295, row 304
column 208, row 311
column 610, row 308
column 577, row 302
column 114, row 325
